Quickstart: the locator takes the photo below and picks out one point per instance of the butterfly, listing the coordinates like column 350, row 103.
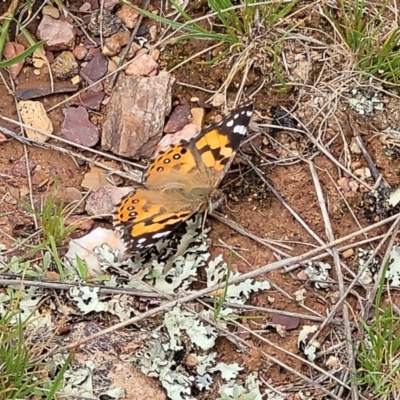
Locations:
column 180, row 181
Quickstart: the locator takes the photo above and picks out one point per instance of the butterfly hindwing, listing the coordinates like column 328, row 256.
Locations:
column 142, row 223
column 178, row 181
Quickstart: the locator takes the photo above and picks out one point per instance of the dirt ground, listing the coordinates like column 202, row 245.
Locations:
column 249, row 203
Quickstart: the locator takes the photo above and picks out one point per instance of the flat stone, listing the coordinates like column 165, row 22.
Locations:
column 72, row 195
column 84, row 224
column 136, row 114
column 88, row 100
column 198, row 115
column 128, row 16
column 103, row 200
column 141, row 65
column 10, row 50
column 34, row 89
column 20, row 168
column 58, row 34
column 65, row 66
column 95, row 69
column 290, row 323
column 34, row 114
column 77, row 127
column 179, row 117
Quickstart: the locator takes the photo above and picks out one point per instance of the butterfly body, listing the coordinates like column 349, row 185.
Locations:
column 180, row 181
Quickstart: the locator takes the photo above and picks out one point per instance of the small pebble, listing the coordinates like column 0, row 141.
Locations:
column 76, row 79
column 347, row 253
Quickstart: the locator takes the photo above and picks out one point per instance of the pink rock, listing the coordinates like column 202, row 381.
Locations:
column 77, row 128
column 20, row 168
column 179, row 117
column 10, row 50
column 88, row 100
column 80, row 52
column 186, row 133
column 85, row 7
column 94, row 4
column 141, row 66
column 128, row 16
column 58, row 34
column 110, row 4
column 95, row 69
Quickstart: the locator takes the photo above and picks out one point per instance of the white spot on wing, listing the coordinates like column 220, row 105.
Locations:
column 142, row 240
column 240, row 129
column 229, row 123
column 161, row 234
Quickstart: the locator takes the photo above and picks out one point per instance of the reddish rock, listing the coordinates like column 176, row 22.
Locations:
column 290, row 323
column 77, row 128
column 128, row 16
column 84, row 224
column 136, row 115
column 104, row 199
column 113, row 44
column 95, row 69
column 93, row 3
column 142, row 65
column 20, row 168
column 58, row 34
column 88, row 100
column 110, row 4
column 135, row 47
column 72, row 195
column 10, row 50
column 179, row 117
column 80, row 52
column 85, row 7
column 34, row 89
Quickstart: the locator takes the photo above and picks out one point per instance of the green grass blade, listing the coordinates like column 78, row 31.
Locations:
column 21, row 56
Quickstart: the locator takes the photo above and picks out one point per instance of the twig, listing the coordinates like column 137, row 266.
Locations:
column 267, row 243
column 357, row 277
column 203, row 292
column 336, row 259
column 378, row 278
column 48, row 146
column 288, row 207
column 5, row 282
column 371, row 165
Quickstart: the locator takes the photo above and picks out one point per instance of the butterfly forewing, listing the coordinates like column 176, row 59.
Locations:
column 218, row 144
column 174, row 177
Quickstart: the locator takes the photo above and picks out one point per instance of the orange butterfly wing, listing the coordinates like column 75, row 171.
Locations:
column 175, row 177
